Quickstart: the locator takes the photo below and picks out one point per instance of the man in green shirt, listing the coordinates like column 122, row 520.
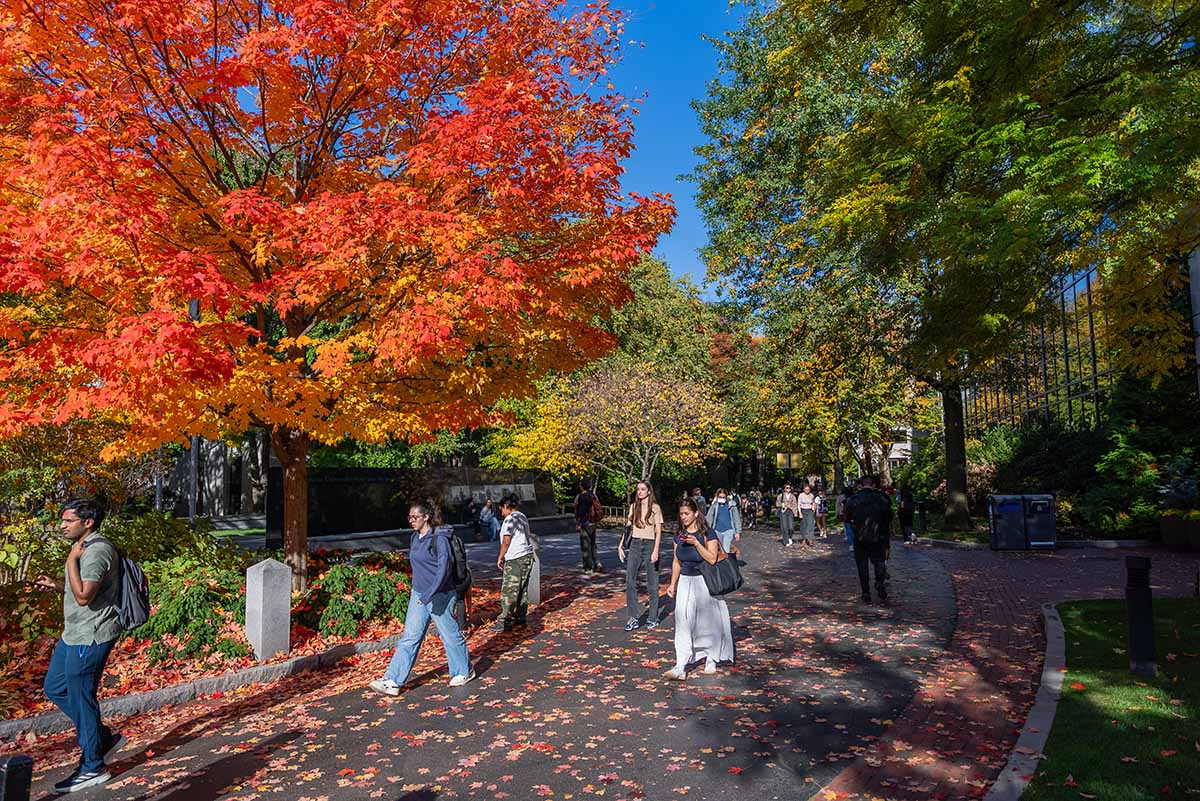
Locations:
column 91, row 627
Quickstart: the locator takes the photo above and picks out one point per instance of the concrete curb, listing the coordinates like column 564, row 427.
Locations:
column 1023, row 762
column 1067, row 544
column 53, row 722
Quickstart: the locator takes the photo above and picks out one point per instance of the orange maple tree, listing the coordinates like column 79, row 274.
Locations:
column 391, row 212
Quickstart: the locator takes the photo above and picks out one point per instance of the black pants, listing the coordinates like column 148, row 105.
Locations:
column 876, row 553
column 587, row 545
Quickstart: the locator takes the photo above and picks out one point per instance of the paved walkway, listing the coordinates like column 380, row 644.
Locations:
column 827, row 697
column 576, row 707
column 954, row 739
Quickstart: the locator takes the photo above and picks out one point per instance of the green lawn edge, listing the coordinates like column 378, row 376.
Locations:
column 1118, row 737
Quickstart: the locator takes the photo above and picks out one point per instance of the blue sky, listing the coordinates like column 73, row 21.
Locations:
column 671, row 70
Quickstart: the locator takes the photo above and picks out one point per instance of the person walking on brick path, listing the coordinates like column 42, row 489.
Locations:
column 702, row 627
column 906, row 507
column 518, row 552
column 91, row 626
column 870, row 513
column 701, row 502
column 433, row 597
column 725, row 520
column 819, row 508
column 645, row 520
column 584, row 502
column 807, row 504
column 788, row 511
column 845, row 494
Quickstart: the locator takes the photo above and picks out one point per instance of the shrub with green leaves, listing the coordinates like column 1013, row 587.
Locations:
column 345, row 595
column 193, row 605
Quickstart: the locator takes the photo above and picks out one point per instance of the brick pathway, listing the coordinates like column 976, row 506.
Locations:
column 575, row 708
column 955, row 737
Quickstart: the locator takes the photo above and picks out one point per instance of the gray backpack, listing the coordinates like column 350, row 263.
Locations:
column 133, row 590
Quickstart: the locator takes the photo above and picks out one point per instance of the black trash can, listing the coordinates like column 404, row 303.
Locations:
column 1040, row 528
column 1006, row 522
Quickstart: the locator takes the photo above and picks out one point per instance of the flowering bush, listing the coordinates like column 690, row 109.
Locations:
column 346, row 594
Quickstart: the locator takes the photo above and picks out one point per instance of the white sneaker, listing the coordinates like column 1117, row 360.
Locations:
column 676, row 674
column 710, row 667
column 385, row 686
column 458, row 681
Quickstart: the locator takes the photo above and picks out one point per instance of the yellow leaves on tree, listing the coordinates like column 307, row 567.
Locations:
column 625, row 417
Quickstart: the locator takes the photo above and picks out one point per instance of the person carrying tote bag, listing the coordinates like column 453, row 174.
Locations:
column 702, row 627
column 721, row 576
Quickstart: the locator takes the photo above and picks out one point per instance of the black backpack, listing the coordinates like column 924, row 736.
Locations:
column 870, row 515
column 133, row 590
column 460, row 570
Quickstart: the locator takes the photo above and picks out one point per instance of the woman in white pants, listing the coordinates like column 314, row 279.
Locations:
column 702, row 630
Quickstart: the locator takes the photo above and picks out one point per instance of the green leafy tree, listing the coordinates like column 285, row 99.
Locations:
column 961, row 156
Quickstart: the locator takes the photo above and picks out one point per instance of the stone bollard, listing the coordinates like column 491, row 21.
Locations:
column 534, row 592
column 1139, row 607
column 269, row 608
column 16, row 777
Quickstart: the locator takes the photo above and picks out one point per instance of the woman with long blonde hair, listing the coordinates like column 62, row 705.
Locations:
column 645, row 522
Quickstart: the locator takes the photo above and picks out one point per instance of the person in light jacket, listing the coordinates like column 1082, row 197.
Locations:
column 725, row 520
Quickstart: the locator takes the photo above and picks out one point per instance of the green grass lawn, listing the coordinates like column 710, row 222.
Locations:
column 1117, row 737
column 240, row 532
column 938, row 530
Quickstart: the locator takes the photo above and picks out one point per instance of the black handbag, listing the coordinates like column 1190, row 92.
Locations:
column 723, row 576
column 627, row 538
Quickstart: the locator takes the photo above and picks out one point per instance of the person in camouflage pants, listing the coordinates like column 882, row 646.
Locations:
column 518, row 551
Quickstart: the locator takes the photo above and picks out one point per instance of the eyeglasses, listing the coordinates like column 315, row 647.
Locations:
column 416, row 517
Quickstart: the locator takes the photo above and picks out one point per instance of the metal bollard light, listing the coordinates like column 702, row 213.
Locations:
column 1139, row 607
column 16, row 777
column 921, row 527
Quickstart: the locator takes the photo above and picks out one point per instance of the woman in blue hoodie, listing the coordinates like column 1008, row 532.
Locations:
column 433, row 596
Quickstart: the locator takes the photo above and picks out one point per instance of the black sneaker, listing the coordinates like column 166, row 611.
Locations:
column 631, row 624
column 652, row 623
column 498, row 626
column 82, row 780
column 866, row 599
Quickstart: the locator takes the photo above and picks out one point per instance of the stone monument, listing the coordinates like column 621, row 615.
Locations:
column 533, row 595
column 269, row 608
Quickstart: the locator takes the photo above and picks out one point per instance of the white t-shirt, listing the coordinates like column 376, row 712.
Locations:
column 806, row 500
column 524, row 541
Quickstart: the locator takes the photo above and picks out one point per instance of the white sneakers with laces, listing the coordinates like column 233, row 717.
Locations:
column 386, row 686
column 458, row 681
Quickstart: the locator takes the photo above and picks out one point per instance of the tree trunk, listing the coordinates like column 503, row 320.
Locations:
column 958, row 512
column 839, row 474
column 885, row 466
column 291, row 448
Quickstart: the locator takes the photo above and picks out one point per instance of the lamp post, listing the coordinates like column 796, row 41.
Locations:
column 1143, row 656
column 16, row 777
column 194, row 458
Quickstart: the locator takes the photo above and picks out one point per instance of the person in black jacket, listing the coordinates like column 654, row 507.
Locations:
column 870, row 514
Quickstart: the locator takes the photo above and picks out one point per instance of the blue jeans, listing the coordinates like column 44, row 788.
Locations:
column 849, row 533
column 726, row 538
column 71, row 683
column 416, row 623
